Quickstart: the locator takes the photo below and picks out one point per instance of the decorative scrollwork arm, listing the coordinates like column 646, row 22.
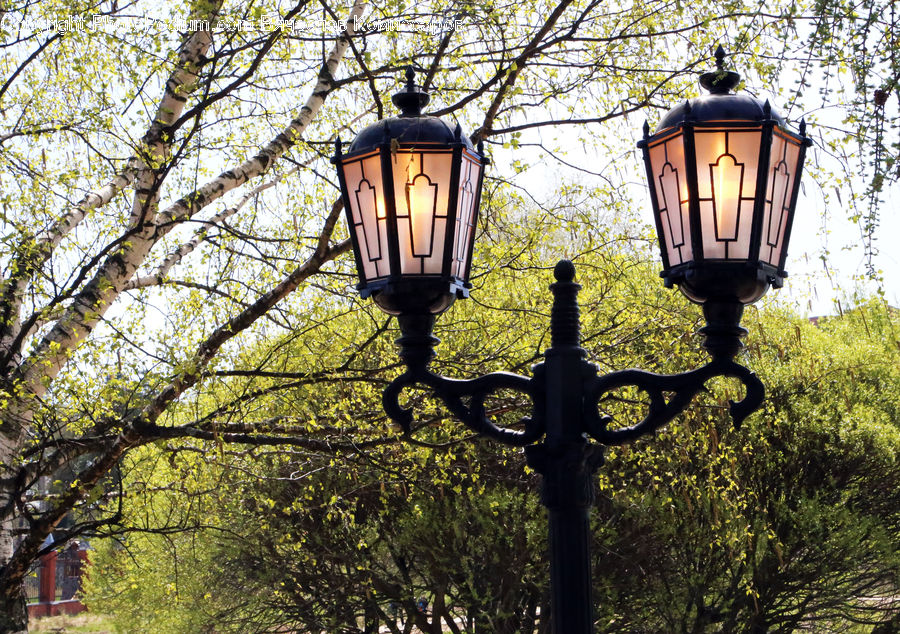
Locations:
column 472, row 414
column 683, row 387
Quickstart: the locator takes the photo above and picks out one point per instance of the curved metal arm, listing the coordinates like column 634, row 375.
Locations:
column 684, row 387
column 572, row 409
column 452, row 391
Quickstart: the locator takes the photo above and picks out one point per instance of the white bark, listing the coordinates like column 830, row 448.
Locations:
column 45, row 245
column 186, row 207
column 92, row 200
column 177, row 255
column 137, row 172
column 16, row 416
column 154, row 152
column 91, row 303
column 89, row 306
column 8, row 452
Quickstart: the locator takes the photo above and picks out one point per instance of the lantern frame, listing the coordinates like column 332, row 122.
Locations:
column 448, row 228
column 744, row 277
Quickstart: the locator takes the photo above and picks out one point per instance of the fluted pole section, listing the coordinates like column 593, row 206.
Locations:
column 566, row 461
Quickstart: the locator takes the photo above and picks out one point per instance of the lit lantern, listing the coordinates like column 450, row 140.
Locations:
column 411, row 188
column 724, row 175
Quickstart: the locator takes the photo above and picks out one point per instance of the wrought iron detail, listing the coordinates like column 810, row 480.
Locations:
column 465, row 398
column 472, row 413
column 683, row 387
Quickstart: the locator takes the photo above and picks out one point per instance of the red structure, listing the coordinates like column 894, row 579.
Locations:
column 58, row 582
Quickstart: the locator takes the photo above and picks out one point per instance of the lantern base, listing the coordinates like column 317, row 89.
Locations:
column 722, row 333
column 744, row 282
column 416, row 341
column 418, row 295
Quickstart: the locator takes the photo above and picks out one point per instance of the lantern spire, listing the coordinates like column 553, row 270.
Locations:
column 412, row 98
column 720, row 58
column 720, row 81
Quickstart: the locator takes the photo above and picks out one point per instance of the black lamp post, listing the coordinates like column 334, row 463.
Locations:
column 724, row 176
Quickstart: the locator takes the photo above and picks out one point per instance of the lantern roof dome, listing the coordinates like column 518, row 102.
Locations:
column 721, row 104
column 411, row 128
column 721, row 107
column 417, row 130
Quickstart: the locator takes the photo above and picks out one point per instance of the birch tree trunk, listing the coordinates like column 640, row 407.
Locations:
column 29, row 374
column 13, row 612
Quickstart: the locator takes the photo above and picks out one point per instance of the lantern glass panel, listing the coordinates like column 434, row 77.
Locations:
column 366, row 197
column 727, row 165
column 467, row 197
column 670, row 182
column 421, row 193
column 782, row 174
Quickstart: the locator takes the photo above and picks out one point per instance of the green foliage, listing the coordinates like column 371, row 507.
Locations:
column 168, row 563
column 790, row 521
column 136, row 304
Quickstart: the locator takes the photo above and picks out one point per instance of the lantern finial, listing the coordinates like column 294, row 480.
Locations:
column 720, row 81
column 720, row 57
column 412, row 98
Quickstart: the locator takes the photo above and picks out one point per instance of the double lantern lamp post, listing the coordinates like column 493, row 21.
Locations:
column 723, row 172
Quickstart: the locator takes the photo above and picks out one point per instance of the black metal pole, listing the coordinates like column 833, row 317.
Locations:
column 567, row 462
column 566, row 392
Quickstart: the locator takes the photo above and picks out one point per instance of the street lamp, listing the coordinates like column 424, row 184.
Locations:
column 724, row 176
column 411, row 187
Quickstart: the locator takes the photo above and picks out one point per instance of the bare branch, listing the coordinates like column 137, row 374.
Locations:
column 516, row 67
column 94, row 300
column 208, row 349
